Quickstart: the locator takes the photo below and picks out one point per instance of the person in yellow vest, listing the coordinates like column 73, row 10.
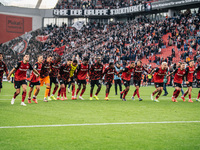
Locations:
column 149, row 78
column 74, row 65
column 12, row 78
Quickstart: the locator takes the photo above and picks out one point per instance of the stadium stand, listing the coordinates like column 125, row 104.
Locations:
column 171, row 40
column 98, row 4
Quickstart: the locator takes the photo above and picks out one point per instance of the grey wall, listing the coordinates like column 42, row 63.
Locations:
column 36, row 14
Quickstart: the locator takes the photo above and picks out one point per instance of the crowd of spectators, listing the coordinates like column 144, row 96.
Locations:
column 98, row 4
column 120, row 41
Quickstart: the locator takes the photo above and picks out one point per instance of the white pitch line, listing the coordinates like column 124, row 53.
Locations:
column 98, row 124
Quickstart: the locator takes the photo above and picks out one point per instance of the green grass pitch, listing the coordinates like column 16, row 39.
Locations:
column 182, row 136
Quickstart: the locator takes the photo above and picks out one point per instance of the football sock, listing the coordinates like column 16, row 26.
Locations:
column 138, row 94
column 59, row 92
column 77, row 91
column 83, row 90
column 198, row 95
column 62, row 91
column 65, row 92
column 125, row 93
column 107, row 94
column 90, row 94
column 73, row 90
column 23, row 96
column 154, row 92
column 15, row 95
column 55, row 89
column 98, row 90
column 157, row 96
column 185, row 94
column 177, row 94
column 135, row 92
column 189, row 96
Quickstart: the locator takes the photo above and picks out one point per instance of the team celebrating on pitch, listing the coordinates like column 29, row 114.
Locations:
column 50, row 71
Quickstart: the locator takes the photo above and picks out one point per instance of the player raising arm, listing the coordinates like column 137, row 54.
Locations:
column 44, row 76
column 64, row 74
column 20, row 71
column 159, row 74
column 82, row 71
column 137, row 77
column 189, row 80
column 96, row 74
column 3, row 68
column 109, row 76
column 35, row 81
column 126, row 77
column 179, row 74
column 54, row 65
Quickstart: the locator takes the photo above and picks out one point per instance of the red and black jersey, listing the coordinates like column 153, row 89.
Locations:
column 109, row 74
column 3, row 68
column 159, row 75
column 54, row 65
column 178, row 75
column 21, row 70
column 82, row 71
column 127, row 71
column 96, row 71
column 45, row 69
column 190, row 73
column 198, row 72
column 65, row 71
column 138, row 70
column 37, row 67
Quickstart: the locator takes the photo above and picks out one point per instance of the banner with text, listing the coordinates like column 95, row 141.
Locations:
column 120, row 11
column 13, row 26
column 98, row 12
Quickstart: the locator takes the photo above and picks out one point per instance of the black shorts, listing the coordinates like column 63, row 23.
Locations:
column 126, row 83
column 158, row 85
column 79, row 82
column 17, row 84
column 0, row 84
column 72, row 80
column 198, row 83
column 137, row 82
column 32, row 84
column 63, row 81
column 190, row 84
column 177, row 85
column 108, row 83
column 93, row 82
column 145, row 80
column 53, row 80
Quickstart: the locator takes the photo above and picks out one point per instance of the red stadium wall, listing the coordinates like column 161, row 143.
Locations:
column 13, row 26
